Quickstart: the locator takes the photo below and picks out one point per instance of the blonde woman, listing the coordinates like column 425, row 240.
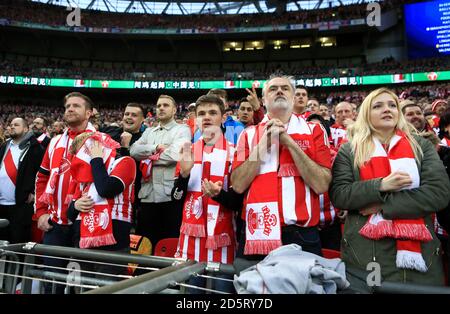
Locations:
column 391, row 182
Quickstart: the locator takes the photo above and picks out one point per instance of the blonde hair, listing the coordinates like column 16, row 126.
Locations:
column 360, row 134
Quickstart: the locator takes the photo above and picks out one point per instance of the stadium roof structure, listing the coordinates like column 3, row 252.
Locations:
column 186, row 7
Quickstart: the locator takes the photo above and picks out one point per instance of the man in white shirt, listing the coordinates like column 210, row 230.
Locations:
column 20, row 158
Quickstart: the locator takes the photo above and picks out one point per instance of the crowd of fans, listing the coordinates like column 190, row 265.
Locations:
column 50, row 68
column 161, row 176
column 112, row 114
column 26, row 11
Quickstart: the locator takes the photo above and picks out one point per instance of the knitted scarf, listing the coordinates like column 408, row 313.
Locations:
column 409, row 233
column 146, row 165
column 445, row 141
column 262, row 216
column 59, row 165
column 202, row 216
column 96, row 225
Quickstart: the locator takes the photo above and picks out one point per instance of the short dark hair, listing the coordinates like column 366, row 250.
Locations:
column 89, row 104
column 410, row 105
column 302, row 87
column 229, row 109
column 218, row 92
column 322, row 121
column 210, row 99
column 243, row 99
column 24, row 121
column 44, row 120
column 136, row 105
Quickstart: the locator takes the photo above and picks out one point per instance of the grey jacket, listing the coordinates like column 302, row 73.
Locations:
column 173, row 135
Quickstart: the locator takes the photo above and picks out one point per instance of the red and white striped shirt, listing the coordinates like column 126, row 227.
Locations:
column 201, row 253
column 121, row 207
column 338, row 135
column 328, row 212
column 57, row 150
column 297, row 202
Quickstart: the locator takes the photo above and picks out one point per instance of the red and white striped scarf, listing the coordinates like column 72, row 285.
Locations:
column 264, row 209
column 445, row 141
column 338, row 135
column 96, row 225
column 328, row 212
column 409, row 233
column 10, row 166
column 146, row 165
column 60, row 174
column 41, row 138
column 202, row 216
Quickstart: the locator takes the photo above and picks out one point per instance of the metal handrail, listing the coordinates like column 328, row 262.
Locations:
column 388, row 287
column 154, row 282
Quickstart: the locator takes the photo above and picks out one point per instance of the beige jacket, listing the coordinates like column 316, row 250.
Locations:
column 173, row 135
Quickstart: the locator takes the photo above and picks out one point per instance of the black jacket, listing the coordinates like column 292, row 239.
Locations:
column 443, row 216
column 29, row 163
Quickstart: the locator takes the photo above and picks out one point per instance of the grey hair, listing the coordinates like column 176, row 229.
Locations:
column 289, row 78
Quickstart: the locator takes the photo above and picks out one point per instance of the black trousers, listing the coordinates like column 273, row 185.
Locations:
column 19, row 228
column 158, row 221
column 331, row 236
column 59, row 235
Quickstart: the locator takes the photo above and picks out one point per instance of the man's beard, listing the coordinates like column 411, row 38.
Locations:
column 281, row 104
column 37, row 133
column 419, row 125
column 16, row 136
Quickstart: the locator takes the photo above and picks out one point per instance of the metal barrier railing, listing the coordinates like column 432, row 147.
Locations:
column 409, row 288
column 161, row 274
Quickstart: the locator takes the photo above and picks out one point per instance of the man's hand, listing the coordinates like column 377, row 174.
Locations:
column 96, row 150
column 125, row 139
column 347, row 122
column 84, row 204
column 252, row 98
column 210, row 188
column 43, row 224
column 186, row 159
column 395, row 181
column 161, row 147
column 372, row 209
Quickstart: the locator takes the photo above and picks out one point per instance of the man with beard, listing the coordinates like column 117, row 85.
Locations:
column 57, row 128
column 39, row 127
column 289, row 160
column 21, row 156
column 54, row 177
column 414, row 115
column 158, row 151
